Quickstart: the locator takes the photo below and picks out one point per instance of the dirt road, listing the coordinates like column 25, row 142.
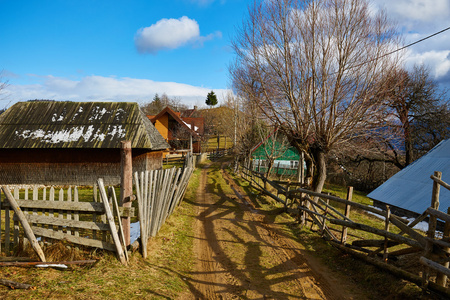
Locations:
column 242, row 253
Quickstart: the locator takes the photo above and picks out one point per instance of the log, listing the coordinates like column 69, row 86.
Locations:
column 16, row 285
column 392, row 236
column 405, row 251
column 434, row 265
column 439, row 181
column 373, row 243
column 26, row 227
column 337, row 199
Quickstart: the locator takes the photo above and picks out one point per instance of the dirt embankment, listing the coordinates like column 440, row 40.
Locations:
column 242, row 252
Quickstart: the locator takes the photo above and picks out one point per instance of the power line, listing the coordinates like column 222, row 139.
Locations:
column 400, row 49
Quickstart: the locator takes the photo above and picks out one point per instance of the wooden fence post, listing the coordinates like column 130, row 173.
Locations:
column 386, row 227
column 431, row 226
column 126, row 185
column 347, row 214
column 441, row 279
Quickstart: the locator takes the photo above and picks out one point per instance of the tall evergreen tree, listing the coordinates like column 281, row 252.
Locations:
column 211, row 99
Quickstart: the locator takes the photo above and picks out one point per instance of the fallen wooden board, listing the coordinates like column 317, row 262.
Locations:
column 73, row 239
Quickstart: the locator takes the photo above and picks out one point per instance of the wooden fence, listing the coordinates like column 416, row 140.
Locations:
column 158, row 193
column 333, row 223
column 39, row 212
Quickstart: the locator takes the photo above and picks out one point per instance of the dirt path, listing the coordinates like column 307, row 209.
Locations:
column 242, row 253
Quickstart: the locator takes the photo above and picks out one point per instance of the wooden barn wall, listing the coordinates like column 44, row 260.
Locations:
column 70, row 166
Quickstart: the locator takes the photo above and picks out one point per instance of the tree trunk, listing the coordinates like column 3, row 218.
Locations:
column 321, row 172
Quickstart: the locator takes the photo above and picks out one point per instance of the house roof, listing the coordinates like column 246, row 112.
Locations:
column 178, row 119
column 411, row 188
column 64, row 124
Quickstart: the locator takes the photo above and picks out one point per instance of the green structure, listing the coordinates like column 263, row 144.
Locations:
column 286, row 158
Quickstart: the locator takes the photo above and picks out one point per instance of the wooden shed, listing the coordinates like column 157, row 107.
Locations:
column 61, row 143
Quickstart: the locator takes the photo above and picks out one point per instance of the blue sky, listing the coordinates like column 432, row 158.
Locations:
column 86, row 50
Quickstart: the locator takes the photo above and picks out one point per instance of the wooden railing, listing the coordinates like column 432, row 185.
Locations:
column 332, row 216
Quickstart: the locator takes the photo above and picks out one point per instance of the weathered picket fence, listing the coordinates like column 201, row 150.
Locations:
column 158, row 193
column 333, row 222
column 46, row 213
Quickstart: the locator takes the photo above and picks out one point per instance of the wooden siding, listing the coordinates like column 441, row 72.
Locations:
column 162, row 125
column 79, row 169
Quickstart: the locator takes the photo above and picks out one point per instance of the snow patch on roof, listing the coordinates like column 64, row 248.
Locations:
column 73, row 134
column 97, row 113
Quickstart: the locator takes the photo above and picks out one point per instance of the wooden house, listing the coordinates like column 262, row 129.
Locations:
column 62, row 143
column 286, row 157
column 177, row 129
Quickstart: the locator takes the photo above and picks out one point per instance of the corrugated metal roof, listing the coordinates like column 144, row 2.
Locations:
column 411, row 188
column 64, row 124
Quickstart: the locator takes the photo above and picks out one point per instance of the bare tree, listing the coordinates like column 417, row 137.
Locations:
column 418, row 109
column 313, row 68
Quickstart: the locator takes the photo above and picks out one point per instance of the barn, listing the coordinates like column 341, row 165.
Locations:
column 409, row 191
column 63, row 142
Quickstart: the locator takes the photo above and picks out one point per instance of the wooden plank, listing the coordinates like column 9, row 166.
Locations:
column 51, row 199
column 42, row 219
column 149, row 202
column 76, row 215
column 142, row 220
column 73, row 239
column 55, row 205
column 117, row 214
column 111, row 223
column 60, row 211
column 16, row 220
column 26, row 227
column 87, row 207
column 126, row 184
column 69, row 212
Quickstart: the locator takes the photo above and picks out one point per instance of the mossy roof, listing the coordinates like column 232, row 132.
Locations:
column 65, row 124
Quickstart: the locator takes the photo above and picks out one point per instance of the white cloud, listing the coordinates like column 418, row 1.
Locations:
column 99, row 88
column 169, row 34
column 437, row 61
column 410, row 13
